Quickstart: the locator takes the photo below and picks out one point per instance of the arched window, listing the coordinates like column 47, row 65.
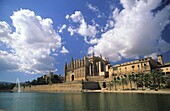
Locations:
column 138, row 67
column 133, row 67
column 72, row 78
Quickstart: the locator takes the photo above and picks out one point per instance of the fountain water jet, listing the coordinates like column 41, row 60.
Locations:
column 18, row 85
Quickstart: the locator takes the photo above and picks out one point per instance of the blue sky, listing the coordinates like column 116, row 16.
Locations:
column 38, row 36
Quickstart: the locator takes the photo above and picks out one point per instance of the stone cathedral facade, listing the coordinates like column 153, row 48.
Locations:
column 86, row 68
column 95, row 68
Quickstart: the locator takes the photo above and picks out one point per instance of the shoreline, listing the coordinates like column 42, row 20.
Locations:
column 6, row 90
column 165, row 91
column 130, row 91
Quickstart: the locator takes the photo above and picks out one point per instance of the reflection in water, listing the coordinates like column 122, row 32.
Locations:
column 83, row 102
column 115, row 102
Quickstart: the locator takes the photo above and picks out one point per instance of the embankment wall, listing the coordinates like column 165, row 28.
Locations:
column 63, row 87
column 76, row 87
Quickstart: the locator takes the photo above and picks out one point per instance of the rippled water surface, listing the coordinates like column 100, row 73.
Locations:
column 83, row 102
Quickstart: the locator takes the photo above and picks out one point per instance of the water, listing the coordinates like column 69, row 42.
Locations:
column 83, row 102
column 18, row 85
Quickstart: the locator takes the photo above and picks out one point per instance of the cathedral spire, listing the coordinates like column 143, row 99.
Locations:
column 93, row 54
column 100, row 56
column 72, row 59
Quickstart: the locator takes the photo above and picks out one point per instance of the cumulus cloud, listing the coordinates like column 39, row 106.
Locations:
column 153, row 55
column 8, row 62
column 83, row 29
column 137, row 31
column 93, row 8
column 62, row 28
column 64, row 50
column 96, row 10
column 91, row 40
column 32, row 42
column 67, row 17
column 71, row 30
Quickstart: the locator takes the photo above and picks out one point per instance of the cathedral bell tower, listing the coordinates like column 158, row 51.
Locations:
column 160, row 59
column 65, row 70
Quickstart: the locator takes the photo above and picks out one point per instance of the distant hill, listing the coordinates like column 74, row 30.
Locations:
column 6, row 86
column 1, row 82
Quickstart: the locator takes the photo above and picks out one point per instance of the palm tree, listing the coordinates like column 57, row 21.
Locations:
column 114, row 79
column 147, row 80
column 155, row 79
column 110, row 84
column 167, row 80
column 130, row 77
column 164, row 80
column 123, row 81
column 126, row 79
column 137, row 80
column 140, row 80
column 118, row 80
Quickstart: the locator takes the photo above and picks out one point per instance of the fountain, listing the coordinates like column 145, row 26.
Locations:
column 18, row 85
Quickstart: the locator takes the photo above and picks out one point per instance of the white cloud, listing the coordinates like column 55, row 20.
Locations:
column 136, row 32
column 91, row 41
column 153, row 55
column 77, row 17
column 5, row 31
column 67, row 16
column 128, row 4
column 96, row 10
column 111, row 20
column 55, row 54
column 7, row 61
column 93, row 8
column 87, row 30
column 32, row 41
column 71, row 30
column 84, row 29
column 62, row 28
column 64, row 50
column 109, row 25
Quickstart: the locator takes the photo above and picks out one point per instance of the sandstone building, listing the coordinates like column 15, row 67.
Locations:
column 88, row 68
column 145, row 65
column 94, row 68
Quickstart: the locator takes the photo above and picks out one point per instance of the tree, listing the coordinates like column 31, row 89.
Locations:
column 131, row 78
column 164, row 81
column 135, row 79
column 7, row 86
column 109, row 84
column 114, row 79
column 147, row 79
column 167, row 80
column 118, row 80
column 41, row 81
column 34, row 82
column 123, row 81
column 55, row 79
column 155, row 76
column 140, row 80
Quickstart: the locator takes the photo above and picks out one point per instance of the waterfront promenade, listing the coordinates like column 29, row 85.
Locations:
column 162, row 91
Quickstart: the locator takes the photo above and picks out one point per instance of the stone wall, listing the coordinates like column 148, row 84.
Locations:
column 62, row 87
column 91, row 85
column 95, row 78
column 78, row 87
column 119, row 86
